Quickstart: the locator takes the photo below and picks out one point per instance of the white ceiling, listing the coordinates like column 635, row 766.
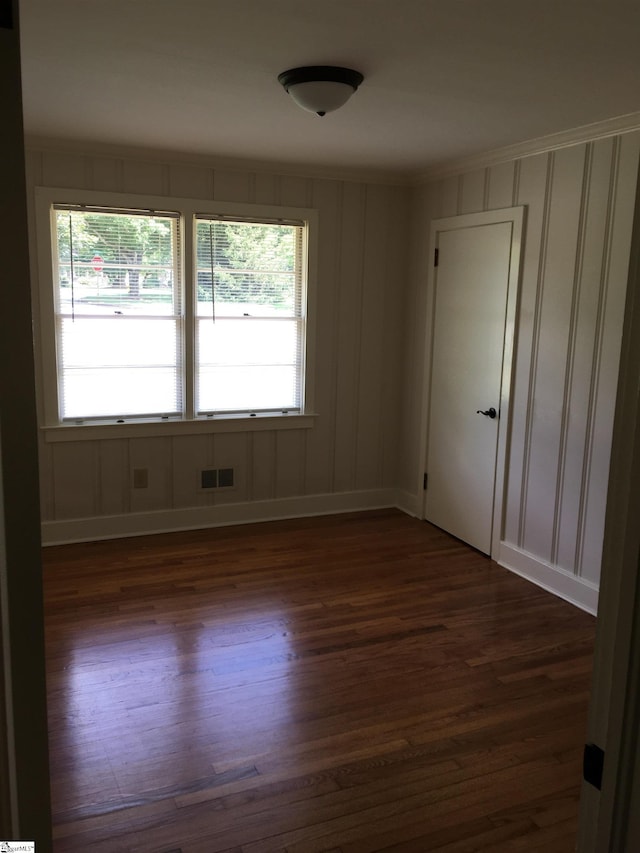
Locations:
column 444, row 79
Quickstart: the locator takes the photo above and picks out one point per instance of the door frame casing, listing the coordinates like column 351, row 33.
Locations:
column 607, row 819
column 516, row 217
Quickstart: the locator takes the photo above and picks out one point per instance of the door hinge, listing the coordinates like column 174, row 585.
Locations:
column 424, row 481
column 436, row 257
column 593, row 765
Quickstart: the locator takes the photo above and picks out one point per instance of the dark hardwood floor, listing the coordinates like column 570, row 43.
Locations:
column 345, row 684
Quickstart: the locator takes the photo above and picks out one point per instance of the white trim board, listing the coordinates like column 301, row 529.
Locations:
column 397, row 177
column 575, row 590
column 215, row 162
column 576, row 136
column 198, row 518
column 410, row 504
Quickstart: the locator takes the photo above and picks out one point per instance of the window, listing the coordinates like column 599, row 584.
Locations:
column 249, row 325
column 173, row 312
column 118, row 306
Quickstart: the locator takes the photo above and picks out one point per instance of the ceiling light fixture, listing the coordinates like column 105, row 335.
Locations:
column 320, row 88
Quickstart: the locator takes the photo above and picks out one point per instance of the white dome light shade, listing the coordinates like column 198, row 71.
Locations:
column 320, row 88
column 321, row 97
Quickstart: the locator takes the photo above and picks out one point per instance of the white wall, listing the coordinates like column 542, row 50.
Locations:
column 347, row 460
column 579, row 204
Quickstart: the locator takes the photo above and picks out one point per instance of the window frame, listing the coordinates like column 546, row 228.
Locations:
column 188, row 210
column 224, row 317
column 64, row 334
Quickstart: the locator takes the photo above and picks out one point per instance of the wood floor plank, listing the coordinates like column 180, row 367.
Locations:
column 347, row 684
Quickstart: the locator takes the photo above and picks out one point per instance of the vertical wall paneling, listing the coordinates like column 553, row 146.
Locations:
column 586, row 314
column 573, row 294
column 154, row 454
column 232, row 186
column 579, row 208
column 264, row 188
column 552, row 343
column 47, row 485
column 290, row 447
column 114, row 483
column 105, row 174
column 262, row 476
column 320, row 441
column 473, row 192
column 535, row 175
column 248, row 472
column 358, row 316
column 61, row 169
column 371, row 357
column 450, row 196
column 425, row 206
column 335, row 319
column 74, row 480
column 190, row 454
column 139, row 176
column 501, row 180
column 190, row 181
column 348, row 330
column 34, row 168
column 606, row 365
column 230, row 451
column 97, row 478
column 294, row 191
column 395, row 298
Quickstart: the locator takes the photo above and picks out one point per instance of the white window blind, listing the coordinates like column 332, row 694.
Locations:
column 250, row 324
column 118, row 306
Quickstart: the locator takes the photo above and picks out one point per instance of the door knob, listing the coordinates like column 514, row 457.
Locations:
column 490, row 413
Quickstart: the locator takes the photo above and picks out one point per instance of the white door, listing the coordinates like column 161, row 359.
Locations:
column 471, row 319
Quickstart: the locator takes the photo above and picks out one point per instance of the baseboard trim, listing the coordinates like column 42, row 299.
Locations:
column 410, row 504
column 575, row 590
column 195, row 518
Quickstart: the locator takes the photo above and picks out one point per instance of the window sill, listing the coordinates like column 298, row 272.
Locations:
column 148, row 429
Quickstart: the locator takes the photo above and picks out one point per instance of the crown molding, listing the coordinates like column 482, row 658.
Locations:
column 212, row 161
column 587, row 133
column 401, row 178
